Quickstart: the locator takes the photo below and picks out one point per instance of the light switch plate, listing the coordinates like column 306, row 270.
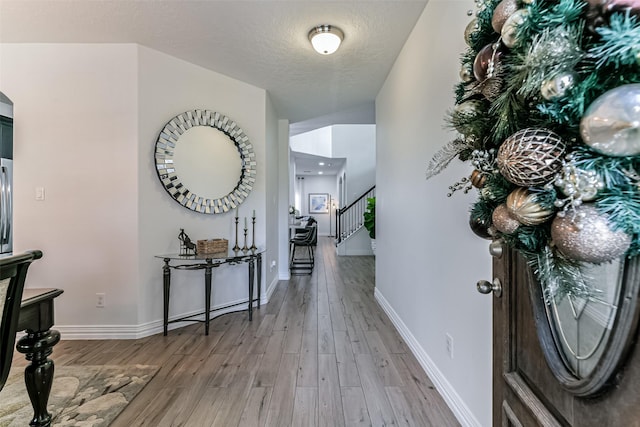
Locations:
column 39, row 193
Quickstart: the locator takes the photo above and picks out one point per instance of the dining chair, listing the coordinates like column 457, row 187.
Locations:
column 305, row 239
column 13, row 271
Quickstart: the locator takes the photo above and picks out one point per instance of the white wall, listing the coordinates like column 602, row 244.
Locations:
column 272, row 214
column 356, row 143
column 86, row 120
column 285, row 185
column 75, row 134
column 316, row 142
column 6, row 107
column 428, row 260
column 325, row 184
column 167, row 87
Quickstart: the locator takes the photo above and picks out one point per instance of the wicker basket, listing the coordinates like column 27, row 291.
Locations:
column 212, row 246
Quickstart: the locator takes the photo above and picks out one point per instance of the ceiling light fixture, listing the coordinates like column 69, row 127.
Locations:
column 320, row 163
column 326, row 39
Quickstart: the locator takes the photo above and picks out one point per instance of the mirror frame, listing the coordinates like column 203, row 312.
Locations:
column 617, row 348
column 164, row 152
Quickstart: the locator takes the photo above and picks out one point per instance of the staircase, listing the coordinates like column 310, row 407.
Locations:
column 350, row 219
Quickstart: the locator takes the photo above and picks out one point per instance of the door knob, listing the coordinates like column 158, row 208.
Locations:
column 486, row 287
column 495, row 248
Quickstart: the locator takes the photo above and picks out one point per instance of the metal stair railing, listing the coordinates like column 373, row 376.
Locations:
column 350, row 218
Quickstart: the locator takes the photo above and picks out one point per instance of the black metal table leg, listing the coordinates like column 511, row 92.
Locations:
column 166, row 284
column 251, row 278
column 207, row 294
column 259, row 277
column 38, row 376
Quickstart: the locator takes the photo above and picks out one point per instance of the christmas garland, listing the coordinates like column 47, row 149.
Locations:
column 548, row 114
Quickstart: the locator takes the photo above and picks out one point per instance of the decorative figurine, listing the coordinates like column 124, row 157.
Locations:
column 187, row 247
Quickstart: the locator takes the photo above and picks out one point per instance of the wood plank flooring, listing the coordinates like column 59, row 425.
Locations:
column 321, row 353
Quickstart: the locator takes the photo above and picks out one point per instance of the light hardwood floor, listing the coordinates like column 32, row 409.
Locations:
column 321, row 353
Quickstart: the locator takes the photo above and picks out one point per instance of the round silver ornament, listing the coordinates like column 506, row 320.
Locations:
column 523, row 206
column 503, row 221
column 557, row 87
column 531, row 157
column 588, row 237
column 611, row 124
column 502, row 12
column 466, row 75
column 471, row 27
column 510, row 28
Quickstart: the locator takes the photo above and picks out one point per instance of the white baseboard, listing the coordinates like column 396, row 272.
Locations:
column 357, row 252
column 125, row 332
column 269, row 291
column 285, row 276
column 449, row 394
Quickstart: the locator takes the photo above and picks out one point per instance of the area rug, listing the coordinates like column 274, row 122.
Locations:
column 86, row 396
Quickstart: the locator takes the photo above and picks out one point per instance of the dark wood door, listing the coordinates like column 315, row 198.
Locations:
column 530, row 387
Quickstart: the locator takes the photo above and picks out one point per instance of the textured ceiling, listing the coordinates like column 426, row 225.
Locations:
column 263, row 43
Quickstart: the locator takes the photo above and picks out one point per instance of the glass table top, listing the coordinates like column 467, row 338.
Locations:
column 229, row 255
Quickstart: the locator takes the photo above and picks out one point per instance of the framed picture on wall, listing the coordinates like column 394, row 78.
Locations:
column 318, row 203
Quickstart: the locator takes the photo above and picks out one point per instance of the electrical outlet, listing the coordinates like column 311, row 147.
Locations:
column 273, row 265
column 449, row 345
column 100, row 299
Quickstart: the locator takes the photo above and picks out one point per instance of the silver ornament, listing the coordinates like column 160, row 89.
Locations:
column 503, row 10
column 503, row 221
column 510, row 28
column 471, row 27
column 611, row 124
column 466, row 75
column 557, row 87
column 531, row 157
column 523, row 206
column 588, row 237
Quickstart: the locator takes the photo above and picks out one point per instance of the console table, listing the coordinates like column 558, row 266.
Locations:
column 36, row 317
column 207, row 262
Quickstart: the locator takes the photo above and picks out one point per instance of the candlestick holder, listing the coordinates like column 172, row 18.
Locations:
column 245, row 248
column 236, row 247
column 253, row 234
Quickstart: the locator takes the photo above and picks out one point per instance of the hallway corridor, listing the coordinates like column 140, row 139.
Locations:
column 320, row 353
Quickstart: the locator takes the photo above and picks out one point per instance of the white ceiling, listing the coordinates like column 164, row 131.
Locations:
column 263, row 43
column 309, row 165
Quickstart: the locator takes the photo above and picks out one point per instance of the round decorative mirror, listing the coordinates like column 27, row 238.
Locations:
column 199, row 156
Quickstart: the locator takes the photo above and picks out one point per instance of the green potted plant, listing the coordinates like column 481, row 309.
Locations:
column 370, row 221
